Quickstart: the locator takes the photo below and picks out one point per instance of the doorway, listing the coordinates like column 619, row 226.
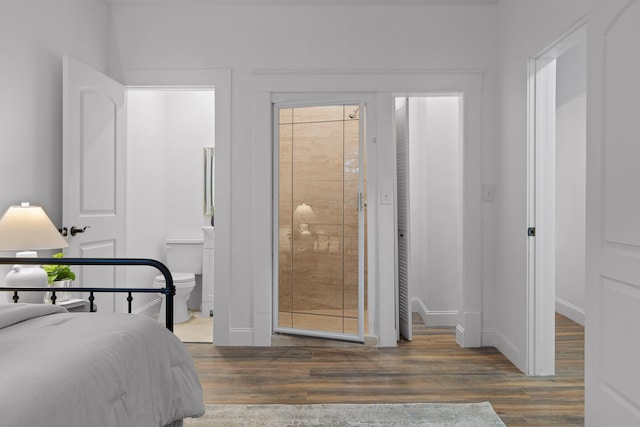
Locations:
column 429, row 208
column 556, row 193
column 169, row 130
column 320, row 220
column 107, row 238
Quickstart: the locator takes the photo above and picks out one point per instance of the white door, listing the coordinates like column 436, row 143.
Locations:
column 405, row 327
column 93, row 178
column 612, row 353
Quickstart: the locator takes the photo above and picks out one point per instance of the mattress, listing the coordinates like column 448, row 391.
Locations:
column 91, row 369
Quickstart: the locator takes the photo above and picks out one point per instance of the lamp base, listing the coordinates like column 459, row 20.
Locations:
column 304, row 230
column 25, row 276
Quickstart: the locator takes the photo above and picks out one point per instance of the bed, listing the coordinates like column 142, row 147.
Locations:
column 92, row 369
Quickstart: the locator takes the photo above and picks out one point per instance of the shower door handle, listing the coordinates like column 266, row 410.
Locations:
column 360, row 202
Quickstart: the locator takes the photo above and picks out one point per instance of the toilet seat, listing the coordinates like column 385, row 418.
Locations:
column 179, row 279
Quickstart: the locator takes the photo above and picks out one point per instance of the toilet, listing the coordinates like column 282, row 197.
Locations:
column 184, row 260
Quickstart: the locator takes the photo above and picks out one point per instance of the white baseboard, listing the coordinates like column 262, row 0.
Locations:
column 494, row 338
column 262, row 330
column 460, row 335
column 469, row 329
column 433, row 317
column 569, row 310
column 150, row 309
column 241, row 337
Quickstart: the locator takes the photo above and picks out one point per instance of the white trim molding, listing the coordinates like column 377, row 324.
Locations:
column 541, row 184
column 494, row 338
column 469, row 329
column 383, row 86
column 241, row 336
column 569, row 310
column 434, row 317
column 220, row 80
column 150, row 309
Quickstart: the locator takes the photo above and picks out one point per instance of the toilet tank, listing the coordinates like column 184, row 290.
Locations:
column 184, row 255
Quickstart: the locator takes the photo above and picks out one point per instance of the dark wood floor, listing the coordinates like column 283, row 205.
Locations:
column 431, row 368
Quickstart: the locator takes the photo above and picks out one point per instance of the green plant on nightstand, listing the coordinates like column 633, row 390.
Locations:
column 58, row 276
column 58, row 272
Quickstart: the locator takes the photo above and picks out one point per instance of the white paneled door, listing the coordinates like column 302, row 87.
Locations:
column 612, row 354
column 93, row 173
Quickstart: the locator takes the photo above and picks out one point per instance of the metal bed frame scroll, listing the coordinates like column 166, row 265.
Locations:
column 168, row 291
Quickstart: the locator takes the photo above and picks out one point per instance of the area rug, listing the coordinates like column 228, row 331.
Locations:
column 337, row 415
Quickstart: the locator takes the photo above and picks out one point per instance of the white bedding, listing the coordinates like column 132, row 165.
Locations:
column 91, row 369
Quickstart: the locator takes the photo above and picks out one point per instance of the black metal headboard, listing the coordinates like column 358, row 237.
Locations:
column 168, row 291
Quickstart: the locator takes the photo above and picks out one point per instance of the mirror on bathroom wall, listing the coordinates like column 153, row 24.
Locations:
column 209, row 174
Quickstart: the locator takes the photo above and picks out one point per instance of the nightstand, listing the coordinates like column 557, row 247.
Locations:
column 77, row 305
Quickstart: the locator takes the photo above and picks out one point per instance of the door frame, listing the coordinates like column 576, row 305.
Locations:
column 452, row 315
column 541, row 183
column 151, row 305
column 469, row 332
column 220, row 80
column 253, row 128
column 312, row 100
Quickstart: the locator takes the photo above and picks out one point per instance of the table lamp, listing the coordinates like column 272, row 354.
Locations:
column 27, row 228
column 304, row 215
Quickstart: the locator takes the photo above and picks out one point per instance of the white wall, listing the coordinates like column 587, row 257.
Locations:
column 525, row 28
column 434, row 147
column 571, row 139
column 166, row 133
column 189, row 121
column 145, row 219
column 34, row 35
column 257, row 43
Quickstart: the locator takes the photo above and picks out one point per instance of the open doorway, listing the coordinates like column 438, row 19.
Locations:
column 556, row 194
column 169, row 132
column 430, row 209
column 104, row 177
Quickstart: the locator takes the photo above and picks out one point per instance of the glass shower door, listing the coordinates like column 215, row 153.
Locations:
column 320, row 216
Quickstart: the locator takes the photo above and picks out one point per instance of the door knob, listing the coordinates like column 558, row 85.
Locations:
column 75, row 230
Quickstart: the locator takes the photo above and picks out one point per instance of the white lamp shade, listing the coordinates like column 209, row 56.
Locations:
column 28, row 227
column 304, row 214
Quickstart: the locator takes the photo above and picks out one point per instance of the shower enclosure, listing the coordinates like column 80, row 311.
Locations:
column 320, row 214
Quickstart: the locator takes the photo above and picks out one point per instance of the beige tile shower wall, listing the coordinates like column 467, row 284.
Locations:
column 319, row 273
column 318, row 182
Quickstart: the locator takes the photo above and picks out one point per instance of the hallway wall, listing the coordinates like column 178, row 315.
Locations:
column 571, row 153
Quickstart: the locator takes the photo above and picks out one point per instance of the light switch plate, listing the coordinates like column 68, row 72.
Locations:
column 385, row 196
column 488, row 193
